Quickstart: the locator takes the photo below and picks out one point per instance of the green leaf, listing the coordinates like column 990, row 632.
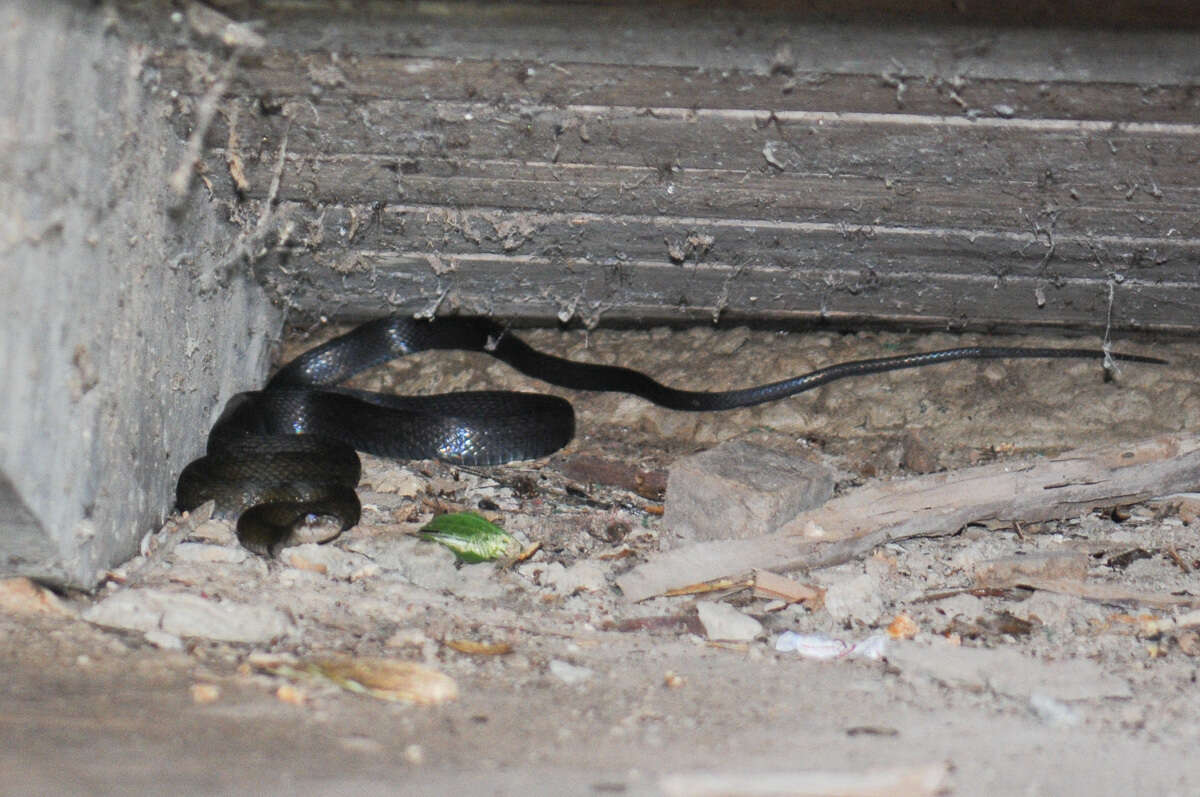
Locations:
column 472, row 538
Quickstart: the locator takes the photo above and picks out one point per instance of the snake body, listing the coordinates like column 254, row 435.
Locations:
column 284, row 457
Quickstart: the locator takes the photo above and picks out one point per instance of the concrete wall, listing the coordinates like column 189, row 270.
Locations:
column 125, row 320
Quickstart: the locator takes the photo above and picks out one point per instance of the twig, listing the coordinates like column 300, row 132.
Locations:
column 181, row 179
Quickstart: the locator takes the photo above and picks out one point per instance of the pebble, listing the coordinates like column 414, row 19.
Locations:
column 722, row 621
column 218, row 532
column 855, row 598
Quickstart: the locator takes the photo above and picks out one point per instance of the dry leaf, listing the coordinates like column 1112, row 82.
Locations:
column 388, row 679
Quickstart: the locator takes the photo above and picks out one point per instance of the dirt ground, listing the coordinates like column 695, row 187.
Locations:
column 563, row 686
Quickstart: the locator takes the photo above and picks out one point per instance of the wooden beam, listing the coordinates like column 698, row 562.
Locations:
column 632, row 164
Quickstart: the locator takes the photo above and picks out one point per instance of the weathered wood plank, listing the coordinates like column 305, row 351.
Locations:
column 893, row 146
column 545, row 288
column 608, row 238
column 1052, row 201
column 624, row 163
column 423, row 79
column 1129, row 41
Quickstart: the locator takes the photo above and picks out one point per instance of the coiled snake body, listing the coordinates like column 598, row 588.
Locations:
column 284, row 456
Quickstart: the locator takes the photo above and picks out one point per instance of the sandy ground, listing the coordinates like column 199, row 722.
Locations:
column 563, row 686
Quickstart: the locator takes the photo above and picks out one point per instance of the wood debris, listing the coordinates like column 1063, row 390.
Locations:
column 1021, row 491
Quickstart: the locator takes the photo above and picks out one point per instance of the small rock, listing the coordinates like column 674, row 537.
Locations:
column 568, row 673
column 429, row 565
column 1003, row 572
column 903, row 627
column 416, row 639
column 215, row 531
column 300, row 561
column 855, row 598
column 1051, row 610
column 369, row 570
column 189, row 616
column 399, row 481
column 738, row 490
column 722, row 621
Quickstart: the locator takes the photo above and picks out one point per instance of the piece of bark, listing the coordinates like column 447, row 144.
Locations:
column 1009, row 570
column 777, row 587
column 647, row 482
column 1104, row 593
column 1023, row 490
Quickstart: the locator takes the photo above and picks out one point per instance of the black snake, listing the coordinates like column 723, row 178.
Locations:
column 283, row 457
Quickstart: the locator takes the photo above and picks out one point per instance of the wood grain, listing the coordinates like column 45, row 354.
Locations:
column 616, row 163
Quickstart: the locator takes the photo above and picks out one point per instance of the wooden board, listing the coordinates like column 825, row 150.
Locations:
column 623, row 164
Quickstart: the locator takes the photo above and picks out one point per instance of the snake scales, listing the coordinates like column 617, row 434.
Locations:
column 284, row 457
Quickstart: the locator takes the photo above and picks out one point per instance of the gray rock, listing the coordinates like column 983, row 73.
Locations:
column 739, row 490
column 151, row 610
column 722, row 621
